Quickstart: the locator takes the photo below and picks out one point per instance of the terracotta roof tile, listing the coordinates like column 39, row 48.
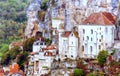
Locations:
column 101, row 18
column 76, row 34
column 32, row 53
column 16, row 44
column 51, row 47
column 49, row 54
column 66, row 33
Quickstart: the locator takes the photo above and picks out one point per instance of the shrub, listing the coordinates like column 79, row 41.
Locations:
column 78, row 72
column 102, row 57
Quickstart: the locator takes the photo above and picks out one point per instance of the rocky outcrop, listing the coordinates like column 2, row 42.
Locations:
column 32, row 13
column 73, row 12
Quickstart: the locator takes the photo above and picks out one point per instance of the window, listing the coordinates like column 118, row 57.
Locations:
column 100, row 28
column 99, row 47
column 65, row 55
column 106, row 29
column 106, row 44
column 91, row 31
column 83, row 31
column 87, row 38
column 90, row 48
column 82, row 48
column 72, row 42
column 91, row 39
column 112, row 31
column 100, row 40
column 102, row 37
column 37, row 43
column 41, row 43
column 71, row 55
column 83, row 38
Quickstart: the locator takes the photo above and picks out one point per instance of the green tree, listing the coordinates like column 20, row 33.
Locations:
column 90, row 74
column 27, row 44
column 102, row 57
column 48, row 41
column 78, row 72
column 3, row 48
column 14, row 52
column 113, row 52
column 44, row 5
column 6, row 59
column 22, row 58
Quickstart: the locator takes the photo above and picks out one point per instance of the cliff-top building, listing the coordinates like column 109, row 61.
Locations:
column 96, row 34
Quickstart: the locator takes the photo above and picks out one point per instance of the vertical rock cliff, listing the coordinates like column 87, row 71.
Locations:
column 73, row 12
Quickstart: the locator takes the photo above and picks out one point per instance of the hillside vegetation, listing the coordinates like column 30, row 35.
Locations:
column 12, row 22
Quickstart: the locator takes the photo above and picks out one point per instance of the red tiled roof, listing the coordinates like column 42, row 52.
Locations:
column 32, row 53
column 66, row 33
column 101, row 18
column 61, row 17
column 51, row 47
column 49, row 54
column 16, row 44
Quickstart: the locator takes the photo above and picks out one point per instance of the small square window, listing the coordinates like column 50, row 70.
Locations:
column 91, row 39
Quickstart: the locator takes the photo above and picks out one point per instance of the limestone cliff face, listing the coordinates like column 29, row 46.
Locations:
column 33, row 22
column 73, row 12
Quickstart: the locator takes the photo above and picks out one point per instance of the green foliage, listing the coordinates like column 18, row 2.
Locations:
column 23, row 58
column 11, row 9
column 48, row 41
column 113, row 52
column 90, row 74
column 78, row 72
column 12, row 21
column 6, row 59
column 14, row 52
column 45, row 67
column 10, row 55
column 102, row 57
column 95, row 73
column 114, row 63
column 44, row 5
column 27, row 45
column 3, row 48
column 10, row 31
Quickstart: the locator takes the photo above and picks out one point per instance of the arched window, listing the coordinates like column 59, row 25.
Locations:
column 91, row 31
column 83, row 31
column 91, row 48
column 99, row 47
column 82, row 48
column 87, row 38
